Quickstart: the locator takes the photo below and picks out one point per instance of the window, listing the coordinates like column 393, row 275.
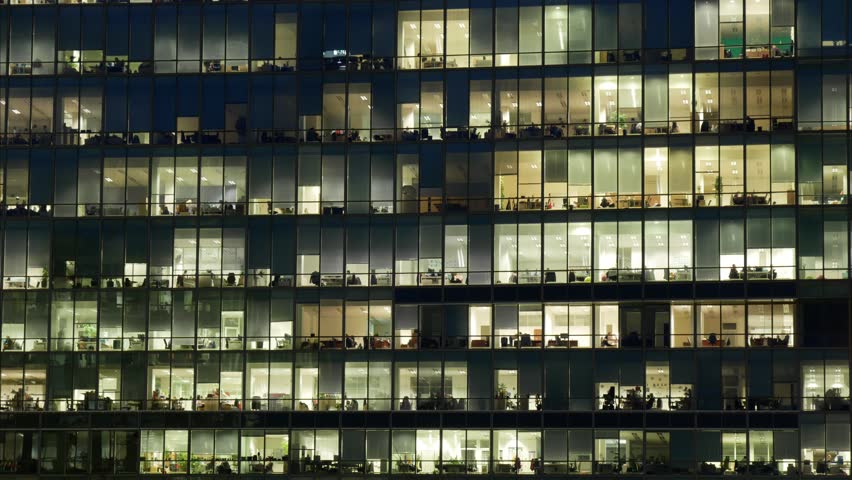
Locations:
column 164, row 451
column 264, row 451
column 825, row 385
column 721, row 325
column 771, row 325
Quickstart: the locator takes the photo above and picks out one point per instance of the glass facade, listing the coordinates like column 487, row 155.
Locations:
column 458, row 238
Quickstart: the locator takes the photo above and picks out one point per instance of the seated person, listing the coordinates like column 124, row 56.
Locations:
column 733, row 274
column 609, row 340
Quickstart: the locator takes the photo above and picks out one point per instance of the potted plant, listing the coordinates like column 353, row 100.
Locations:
column 717, row 187
column 501, row 398
column 453, row 465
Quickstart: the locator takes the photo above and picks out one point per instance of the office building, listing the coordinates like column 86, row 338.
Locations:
column 458, row 238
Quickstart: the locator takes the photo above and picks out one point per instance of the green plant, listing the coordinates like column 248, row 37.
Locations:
column 88, row 330
column 502, row 391
column 196, row 466
column 717, row 186
column 616, row 117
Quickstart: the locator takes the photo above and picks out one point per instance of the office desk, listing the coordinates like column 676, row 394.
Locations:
column 529, row 277
column 529, row 204
column 629, row 276
column 679, row 201
column 22, row 69
column 430, row 279
column 208, row 404
column 280, row 403
column 563, row 343
column 554, row 468
column 331, row 280
column 760, row 274
column 433, row 63
column 454, row 468
column 629, row 202
column 682, row 275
